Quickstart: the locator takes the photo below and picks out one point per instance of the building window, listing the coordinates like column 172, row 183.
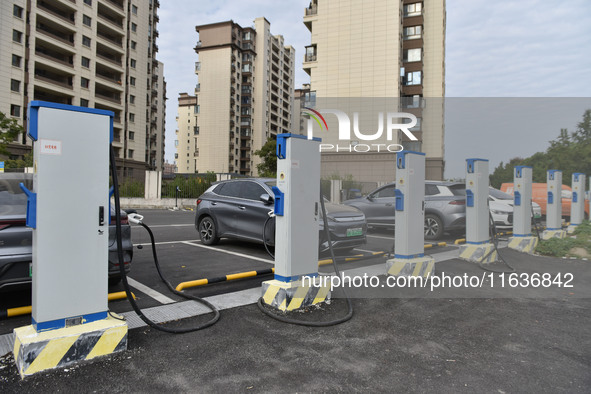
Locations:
column 132, row 63
column 131, row 117
column 412, row 32
column 130, row 153
column 17, row 36
column 197, row 109
column 86, row 41
column 131, row 99
column 130, row 170
column 196, row 130
column 85, row 62
column 412, row 9
column 17, row 11
column 131, row 135
column 86, row 20
column 134, row 10
column 88, row 2
column 310, row 99
column 15, row 85
column 132, row 81
column 417, row 127
column 413, row 78
column 83, row 102
column 176, row 142
column 15, row 110
column 176, row 155
column 16, row 61
column 133, row 27
column 412, row 55
column 84, row 82
column 133, row 45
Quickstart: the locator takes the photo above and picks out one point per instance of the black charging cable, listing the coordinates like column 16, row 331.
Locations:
column 134, row 305
column 343, row 319
column 492, row 228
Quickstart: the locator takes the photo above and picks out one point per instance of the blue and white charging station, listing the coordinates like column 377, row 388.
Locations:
column 409, row 244
column 554, row 206
column 522, row 239
column 478, row 247
column 68, row 210
column 577, row 207
column 297, row 210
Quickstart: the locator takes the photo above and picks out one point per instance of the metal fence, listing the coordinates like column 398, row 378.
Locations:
column 187, row 185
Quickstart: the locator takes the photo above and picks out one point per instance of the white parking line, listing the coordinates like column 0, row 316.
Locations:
column 230, row 252
column 161, row 298
column 379, row 236
column 167, row 242
column 172, row 225
column 365, row 250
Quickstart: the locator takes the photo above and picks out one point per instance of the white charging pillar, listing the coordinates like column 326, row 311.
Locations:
column 297, row 212
column 522, row 239
column 577, row 207
column 68, row 210
column 409, row 246
column 554, row 206
column 478, row 247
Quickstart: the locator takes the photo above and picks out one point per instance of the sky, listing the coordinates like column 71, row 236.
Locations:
column 494, row 49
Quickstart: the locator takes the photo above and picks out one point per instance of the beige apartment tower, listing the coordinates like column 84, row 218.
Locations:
column 378, row 55
column 91, row 53
column 244, row 96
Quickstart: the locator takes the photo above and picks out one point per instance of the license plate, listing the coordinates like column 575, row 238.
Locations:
column 354, row 232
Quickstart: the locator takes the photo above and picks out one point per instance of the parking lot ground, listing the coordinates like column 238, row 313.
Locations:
column 486, row 340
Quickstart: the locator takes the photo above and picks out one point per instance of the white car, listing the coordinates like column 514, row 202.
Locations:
column 501, row 208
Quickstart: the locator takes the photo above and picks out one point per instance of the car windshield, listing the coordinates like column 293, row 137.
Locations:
column 499, row 195
column 13, row 201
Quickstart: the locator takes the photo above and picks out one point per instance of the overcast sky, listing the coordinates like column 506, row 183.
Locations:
column 501, row 48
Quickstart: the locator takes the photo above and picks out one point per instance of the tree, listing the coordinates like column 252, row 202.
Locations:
column 268, row 166
column 9, row 130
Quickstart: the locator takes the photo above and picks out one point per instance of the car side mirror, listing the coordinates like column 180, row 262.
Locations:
column 267, row 199
column 369, row 198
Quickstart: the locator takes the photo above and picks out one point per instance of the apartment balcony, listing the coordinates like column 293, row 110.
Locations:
column 48, row 94
column 53, row 76
column 113, row 79
column 197, row 88
column 106, row 92
column 110, row 58
column 312, row 10
column 197, row 67
column 59, row 10
column 109, row 37
column 55, row 31
column 116, row 6
column 53, row 54
column 114, row 19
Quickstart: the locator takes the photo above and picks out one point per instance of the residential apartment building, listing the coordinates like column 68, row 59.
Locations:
column 244, row 96
column 90, row 53
column 376, row 56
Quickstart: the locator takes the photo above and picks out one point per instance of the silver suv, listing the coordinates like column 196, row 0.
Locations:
column 445, row 207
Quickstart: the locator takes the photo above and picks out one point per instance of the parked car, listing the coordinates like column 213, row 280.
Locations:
column 540, row 197
column 445, row 207
column 501, row 208
column 238, row 209
column 16, row 239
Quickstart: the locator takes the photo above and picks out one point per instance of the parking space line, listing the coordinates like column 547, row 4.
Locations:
column 166, row 242
column 172, row 225
column 230, row 252
column 366, row 251
column 161, row 298
column 379, row 236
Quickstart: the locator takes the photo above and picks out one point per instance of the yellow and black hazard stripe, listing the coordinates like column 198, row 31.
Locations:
column 289, row 297
column 66, row 346
column 424, row 267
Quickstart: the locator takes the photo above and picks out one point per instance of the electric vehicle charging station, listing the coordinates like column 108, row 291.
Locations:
column 478, row 247
column 70, row 320
column 577, row 206
column 409, row 244
column 522, row 239
column 554, row 206
column 296, row 210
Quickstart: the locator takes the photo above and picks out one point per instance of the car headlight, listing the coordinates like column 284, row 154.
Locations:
column 494, row 211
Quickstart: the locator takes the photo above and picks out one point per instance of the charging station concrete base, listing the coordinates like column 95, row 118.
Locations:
column 419, row 266
column 39, row 351
column 549, row 234
column 289, row 296
column 571, row 228
column 523, row 244
column 478, row 253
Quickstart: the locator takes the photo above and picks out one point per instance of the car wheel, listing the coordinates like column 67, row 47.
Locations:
column 207, row 231
column 433, row 227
